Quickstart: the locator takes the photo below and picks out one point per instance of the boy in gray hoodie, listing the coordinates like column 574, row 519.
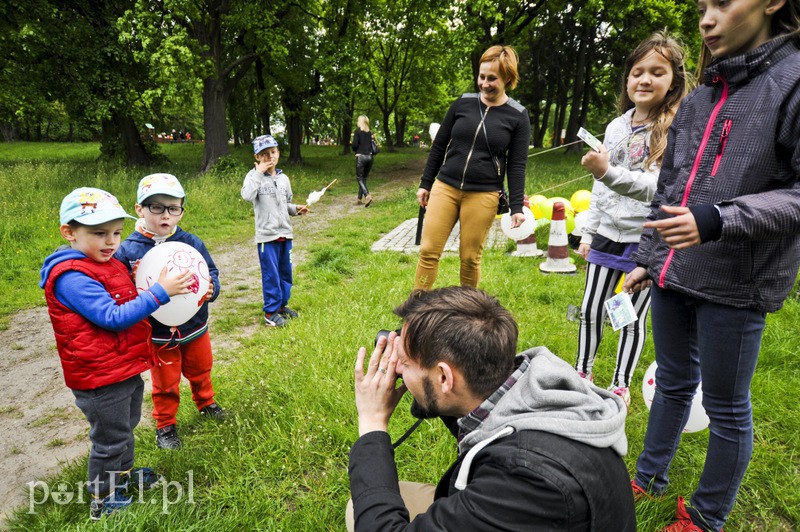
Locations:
column 269, row 190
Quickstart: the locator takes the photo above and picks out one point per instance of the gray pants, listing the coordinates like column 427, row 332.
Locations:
column 113, row 411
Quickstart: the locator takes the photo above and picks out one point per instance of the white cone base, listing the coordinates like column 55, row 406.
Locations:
column 557, row 266
column 527, row 250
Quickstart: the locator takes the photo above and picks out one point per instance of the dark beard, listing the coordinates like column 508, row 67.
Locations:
column 432, row 409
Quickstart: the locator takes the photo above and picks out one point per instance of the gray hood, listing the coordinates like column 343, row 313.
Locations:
column 550, row 396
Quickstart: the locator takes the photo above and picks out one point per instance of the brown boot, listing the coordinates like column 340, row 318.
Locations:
column 367, row 200
column 359, row 202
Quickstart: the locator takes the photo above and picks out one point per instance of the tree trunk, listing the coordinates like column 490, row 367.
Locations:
column 578, row 87
column 347, row 123
column 388, row 144
column 263, row 106
column 71, row 134
column 214, row 122
column 400, row 129
column 295, row 132
column 548, row 103
column 132, row 142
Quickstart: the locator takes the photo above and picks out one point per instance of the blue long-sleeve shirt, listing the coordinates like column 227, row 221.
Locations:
column 89, row 298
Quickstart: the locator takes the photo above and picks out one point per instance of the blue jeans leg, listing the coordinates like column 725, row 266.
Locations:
column 285, row 272
column 697, row 338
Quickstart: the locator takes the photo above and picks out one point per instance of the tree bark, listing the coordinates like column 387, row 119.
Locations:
column 578, row 87
column 214, row 122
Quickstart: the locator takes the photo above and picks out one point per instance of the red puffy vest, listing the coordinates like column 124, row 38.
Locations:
column 90, row 355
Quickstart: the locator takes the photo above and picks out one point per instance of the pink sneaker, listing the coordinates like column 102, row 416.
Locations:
column 586, row 376
column 625, row 393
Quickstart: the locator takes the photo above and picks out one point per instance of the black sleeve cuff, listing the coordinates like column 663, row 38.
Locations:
column 709, row 222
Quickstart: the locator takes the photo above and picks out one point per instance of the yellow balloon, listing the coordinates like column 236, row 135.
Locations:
column 547, row 206
column 535, row 201
column 580, row 200
column 569, row 217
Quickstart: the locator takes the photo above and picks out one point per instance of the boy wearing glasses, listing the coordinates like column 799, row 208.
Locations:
column 185, row 349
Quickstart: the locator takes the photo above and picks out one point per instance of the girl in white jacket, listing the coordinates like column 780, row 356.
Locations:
column 626, row 169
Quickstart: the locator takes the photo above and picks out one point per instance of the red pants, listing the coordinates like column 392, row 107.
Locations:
column 193, row 360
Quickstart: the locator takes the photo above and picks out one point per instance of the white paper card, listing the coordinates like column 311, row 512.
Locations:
column 589, row 139
column 620, row 310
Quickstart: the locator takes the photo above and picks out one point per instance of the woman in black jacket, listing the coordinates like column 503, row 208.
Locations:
column 482, row 138
column 362, row 146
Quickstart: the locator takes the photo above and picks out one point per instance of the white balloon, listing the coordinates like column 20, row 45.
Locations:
column 698, row 420
column 433, row 130
column 176, row 257
column 580, row 221
column 520, row 232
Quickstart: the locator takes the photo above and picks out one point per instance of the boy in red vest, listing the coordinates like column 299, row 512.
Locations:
column 103, row 338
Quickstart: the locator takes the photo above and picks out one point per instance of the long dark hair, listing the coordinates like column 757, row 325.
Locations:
column 661, row 117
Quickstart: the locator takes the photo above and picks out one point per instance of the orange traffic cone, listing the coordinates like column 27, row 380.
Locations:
column 558, row 244
column 527, row 248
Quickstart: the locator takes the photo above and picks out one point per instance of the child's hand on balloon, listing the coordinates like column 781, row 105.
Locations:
column 176, row 284
column 135, row 269
column 208, row 295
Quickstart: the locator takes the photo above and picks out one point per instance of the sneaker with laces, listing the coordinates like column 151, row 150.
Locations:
column 213, row 411
column 143, row 479
column 167, row 438
column 684, row 521
column 274, row 320
column 624, row 393
column 288, row 313
column 116, row 500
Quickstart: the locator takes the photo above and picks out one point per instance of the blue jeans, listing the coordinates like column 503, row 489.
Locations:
column 696, row 339
column 276, row 274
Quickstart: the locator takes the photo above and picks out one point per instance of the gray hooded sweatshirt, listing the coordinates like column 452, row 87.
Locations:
column 549, row 396
column 271, row 196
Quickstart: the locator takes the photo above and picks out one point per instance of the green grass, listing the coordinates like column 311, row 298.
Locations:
column 280, row 461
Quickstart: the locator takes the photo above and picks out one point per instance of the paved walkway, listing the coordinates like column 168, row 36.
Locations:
column 401, row 238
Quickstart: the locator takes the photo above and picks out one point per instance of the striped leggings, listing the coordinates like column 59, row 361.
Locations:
column 600, row 285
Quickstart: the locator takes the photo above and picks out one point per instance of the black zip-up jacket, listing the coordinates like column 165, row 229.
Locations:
column 735, row 144
column 463, row 160
column 530, row 480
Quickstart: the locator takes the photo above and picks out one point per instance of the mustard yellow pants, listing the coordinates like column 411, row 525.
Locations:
column 446, row 206
column 416, row 496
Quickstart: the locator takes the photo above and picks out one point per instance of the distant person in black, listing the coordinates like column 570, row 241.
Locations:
column 362, row 146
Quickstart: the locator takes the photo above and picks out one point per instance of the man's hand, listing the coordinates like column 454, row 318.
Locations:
column 376, row 392
column 680, row 231
column 517, row 220
column 596, row 162
column 636, row 281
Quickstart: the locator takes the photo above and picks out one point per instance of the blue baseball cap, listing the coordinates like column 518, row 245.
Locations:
column 91, row 206
column 166, row 184
column 263, row 142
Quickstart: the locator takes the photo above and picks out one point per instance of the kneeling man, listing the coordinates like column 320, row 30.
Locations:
column 539, row 448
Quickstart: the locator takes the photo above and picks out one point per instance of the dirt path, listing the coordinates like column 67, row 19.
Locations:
column 40, row 427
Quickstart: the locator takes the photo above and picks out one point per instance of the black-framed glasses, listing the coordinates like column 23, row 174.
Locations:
column 157, row 208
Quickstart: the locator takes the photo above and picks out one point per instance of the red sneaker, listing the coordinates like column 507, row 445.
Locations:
column 684, row 522
column 639, row 492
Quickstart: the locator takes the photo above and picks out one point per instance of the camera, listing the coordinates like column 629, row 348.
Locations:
column 385, row 334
